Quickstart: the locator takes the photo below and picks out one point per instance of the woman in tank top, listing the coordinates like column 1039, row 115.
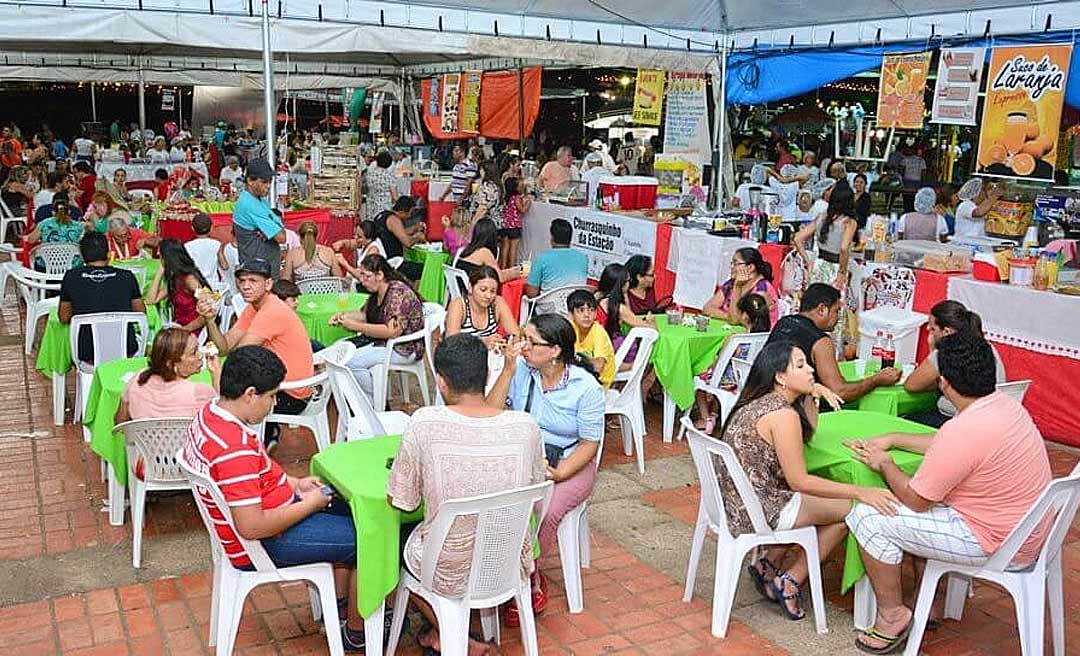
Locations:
column 481, row 312
column 310, row 259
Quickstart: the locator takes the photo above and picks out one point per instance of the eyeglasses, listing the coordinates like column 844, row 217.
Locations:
column 736, row 263
column 531, row 342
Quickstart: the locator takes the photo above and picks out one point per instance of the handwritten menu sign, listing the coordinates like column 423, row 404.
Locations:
column 686, row 126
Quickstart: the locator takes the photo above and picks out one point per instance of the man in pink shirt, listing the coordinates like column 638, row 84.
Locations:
column 983, row 471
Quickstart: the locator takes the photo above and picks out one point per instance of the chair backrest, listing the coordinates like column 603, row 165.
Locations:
column 434, row 321
column 320, row 387
column 204, row 489
column 1060, row 498
column 5, row 211
column 57, row 257
column 33, row 284
column 152, row 445
column 1016, row 389
column 502, row 526
column 645, row 338
column 889, row 285
column 395, row 261
column 338, row 353
column 705, row 450
column 457, row 282
column 739, row 351
column 355, row 411
column 323, row 285
column 552, row 301
column 793, row 274
column 109, row 332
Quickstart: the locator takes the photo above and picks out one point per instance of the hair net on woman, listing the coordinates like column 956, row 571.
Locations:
column 821, row 186
column 759, row 174
column 970, row 189
column 925, row 200
column 789, row 170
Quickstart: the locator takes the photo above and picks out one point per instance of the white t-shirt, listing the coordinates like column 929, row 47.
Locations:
column 629, row 154
column 204, row 250
column 177, row 155
column 83, row 147
column 967, row 225
column 158, row 156
column 592, row 177
column 43, row 198
column 230, row 175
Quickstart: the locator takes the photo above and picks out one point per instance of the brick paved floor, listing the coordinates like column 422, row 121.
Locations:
column 52, row 517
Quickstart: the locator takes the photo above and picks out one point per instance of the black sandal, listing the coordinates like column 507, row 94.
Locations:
column 782, row 597
column 761, row 583
column 892, row 642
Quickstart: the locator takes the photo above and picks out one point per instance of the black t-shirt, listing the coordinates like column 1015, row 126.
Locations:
column 801, row 331
column 92, row 289
column 389, row 240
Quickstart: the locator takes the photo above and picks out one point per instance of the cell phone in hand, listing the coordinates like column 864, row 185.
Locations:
column 328, row 491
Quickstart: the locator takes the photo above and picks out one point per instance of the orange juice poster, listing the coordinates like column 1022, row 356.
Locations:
column 901, row 94
column 1021, row 116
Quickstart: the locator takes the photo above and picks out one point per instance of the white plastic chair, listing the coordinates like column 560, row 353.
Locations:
column 731, row 549
column 495, row 576
column 339, row 353
column 1016, row 389
column 141, row 194
column 793, row 280
column 888, row 285
column 152, row 445
column 357, row 418
column 8, row 219
column 1029, row 586
column 456, row 280
column 381, row 373
column 33, row 286
column 109, row 332
column 57, row 257
column 313, row 417
column 752, row 343
column 626, row 403
column 231, row 585
column 575, row 549
column 784, row 307
column 323, row 285
column 552, row 301
column 395, row 261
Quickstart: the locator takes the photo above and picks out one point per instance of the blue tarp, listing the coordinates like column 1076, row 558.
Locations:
column 768, row 75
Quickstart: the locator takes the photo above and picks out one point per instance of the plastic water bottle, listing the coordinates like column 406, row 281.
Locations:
column 888, row 353
column 874, row 364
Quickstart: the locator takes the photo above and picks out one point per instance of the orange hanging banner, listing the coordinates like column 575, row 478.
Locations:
column 499, row 105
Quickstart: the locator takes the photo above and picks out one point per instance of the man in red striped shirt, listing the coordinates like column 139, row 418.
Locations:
column 286, row 514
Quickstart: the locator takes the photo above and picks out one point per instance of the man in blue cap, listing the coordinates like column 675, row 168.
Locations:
column 259, row 230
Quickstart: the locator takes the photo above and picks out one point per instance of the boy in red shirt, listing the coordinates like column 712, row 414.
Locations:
column 284, row 513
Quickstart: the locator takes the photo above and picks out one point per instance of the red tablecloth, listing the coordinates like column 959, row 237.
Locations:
column 512, row 291
column 332, row 225
column 931, row 288
column 1053, row 396
column 774, row 255
column 663, row 280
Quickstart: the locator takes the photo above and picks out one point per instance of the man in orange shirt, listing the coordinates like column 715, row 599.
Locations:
column 983, row 471
column 10, row 152
column 266, row 321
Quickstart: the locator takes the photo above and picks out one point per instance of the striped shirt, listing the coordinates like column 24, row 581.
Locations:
column 231, row 454
column 462, row 177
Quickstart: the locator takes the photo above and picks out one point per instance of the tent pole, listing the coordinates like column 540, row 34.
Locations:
column 721, row 122
column 268, row 86
column 521, row 112
column 142, row 105
column 180, row 106
column 401, row 110
column 93, row 103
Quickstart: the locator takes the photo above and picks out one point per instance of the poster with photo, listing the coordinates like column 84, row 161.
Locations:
column 451, row 102
column 901, row 95
column 956, row 92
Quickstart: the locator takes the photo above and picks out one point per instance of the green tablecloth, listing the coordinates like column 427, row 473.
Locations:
column 895, row 400
column 682, row 352
column 359, row 472
column 144, row 268
column 214, row 206
column 826, row 456
column 102, row 401
column 54, row 353
column 315, row 311
column 432, row 281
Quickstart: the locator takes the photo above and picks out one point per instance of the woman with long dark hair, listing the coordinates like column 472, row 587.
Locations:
column 483, row 250
column 834, row 234
column 393, row 309
column 614, row 307
column 481, row 311
column 750, row 274
column 177, row 280
column 544, row 377
column 775, row 416
column 310, row 259
column 641, row 297
column 946, row 318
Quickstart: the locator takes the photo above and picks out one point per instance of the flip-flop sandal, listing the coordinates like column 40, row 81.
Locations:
column 782, row 598
column 431, row 651
column 892, row 642
column 760, row 584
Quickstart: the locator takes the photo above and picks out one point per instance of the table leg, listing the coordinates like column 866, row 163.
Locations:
column 59, row 396
column 373, row 632
column 669, row 417
column 116, row 499
column 865, row 604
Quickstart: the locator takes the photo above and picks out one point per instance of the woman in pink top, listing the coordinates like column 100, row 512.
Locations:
column 163, row 388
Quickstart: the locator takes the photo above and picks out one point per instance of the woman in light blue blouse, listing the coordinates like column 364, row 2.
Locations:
column 559, row 389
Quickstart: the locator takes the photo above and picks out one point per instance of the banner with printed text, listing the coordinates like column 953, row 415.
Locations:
column 686, row 124
column 470, row 102
column 956, row 92
column 1025, row 90
column 451, row 102
column 901, row 93
column 606, row 238
column 649, row 97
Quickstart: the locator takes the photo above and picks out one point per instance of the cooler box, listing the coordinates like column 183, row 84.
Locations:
column 629, row 192
column 903, row 324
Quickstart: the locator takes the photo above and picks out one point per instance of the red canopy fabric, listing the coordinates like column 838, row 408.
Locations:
column 498, row 105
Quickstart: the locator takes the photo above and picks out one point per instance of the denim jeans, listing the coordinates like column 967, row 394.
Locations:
column 321, row 537
column 370, row 356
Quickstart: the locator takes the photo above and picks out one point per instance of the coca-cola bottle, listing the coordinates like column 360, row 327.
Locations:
column 888, row 354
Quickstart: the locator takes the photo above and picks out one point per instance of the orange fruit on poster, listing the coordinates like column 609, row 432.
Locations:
column 1023, row 164
column 1032, row 128
column 911, row 114
column 889, row 114
column 1038, row 147
column 995, row 154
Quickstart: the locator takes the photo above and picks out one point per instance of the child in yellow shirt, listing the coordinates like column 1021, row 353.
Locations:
column 592, row 340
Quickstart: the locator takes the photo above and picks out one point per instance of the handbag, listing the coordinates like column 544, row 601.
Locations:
column 552, row 453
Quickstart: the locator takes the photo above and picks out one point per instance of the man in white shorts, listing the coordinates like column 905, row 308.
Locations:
column 983, row 471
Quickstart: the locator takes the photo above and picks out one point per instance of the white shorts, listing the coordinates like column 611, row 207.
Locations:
column 789, row 513
column 939, row 533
